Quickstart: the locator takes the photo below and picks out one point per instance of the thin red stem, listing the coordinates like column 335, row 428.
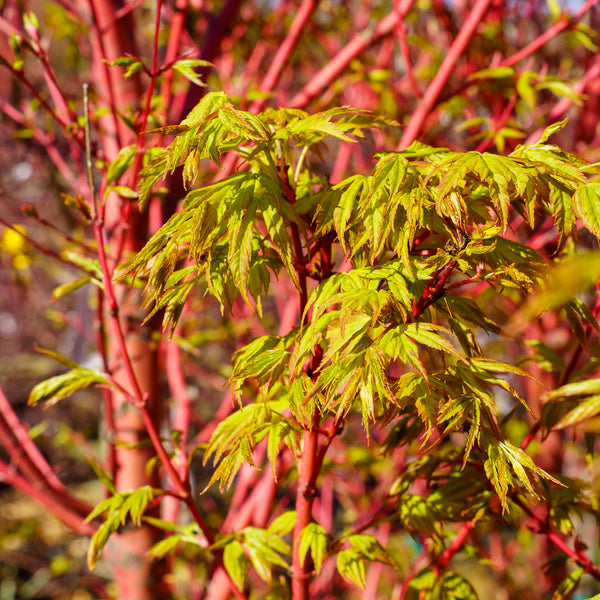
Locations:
column 578, row 556
column 456, row 544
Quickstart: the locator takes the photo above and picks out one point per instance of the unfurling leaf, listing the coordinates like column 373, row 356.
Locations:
column 314, row 538
column 56, row 388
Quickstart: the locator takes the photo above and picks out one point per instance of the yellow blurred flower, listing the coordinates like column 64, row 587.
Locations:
column 14, row 243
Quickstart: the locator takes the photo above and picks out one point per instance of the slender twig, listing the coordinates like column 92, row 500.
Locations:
column 434, row 289
column 104, row 65
column 456, row 544
column 308, row 471
column 88, row 149
column 108, row 400
column 182, row 414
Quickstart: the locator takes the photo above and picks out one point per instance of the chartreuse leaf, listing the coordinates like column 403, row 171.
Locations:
column 587, row 394
column 186, row 66
column 503, row 177
column 121, row 163
column 62, row 386
column 494, row 73
column 351, row 566
column 241, row 225
column 568, row 585
column 259, row 359
column 314, row 128
column 164, row 547
column 119, row 508
column 351, row 562
column 262, row 548
column 455, row 586
column 245, row 124
column 551, row 130
column 421, row 584
column 72, row 286
column 63, row 360
column 170, row 526
column 505, row 462
column 280, row 433
column 190, row 534
column 91, row 265
column 102, row 475
column 236, row 437
column 314, row 538
column 586, row 201
column 586, row 387
column 283, row 524
column 236, row 562
column 416, row 514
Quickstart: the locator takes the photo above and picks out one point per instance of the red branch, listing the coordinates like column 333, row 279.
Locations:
column 336, row 66
column 283, row 52
column 455, row 545
column 563, row 23
column 441, row 77
column 308, row 472
column 433, row 290
column 27, row 456
column 70, row 518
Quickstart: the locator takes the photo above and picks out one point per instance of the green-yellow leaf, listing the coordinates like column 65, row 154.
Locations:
column 577, row 388
column 102, row 475
column 121, row 163
column 61, row 386
column 315, row 538
column 586, row 409
column 70, row 286
column 586, row 201
column 351, row 566
column 283, row 524
column 236, row 563
column 495, row 73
